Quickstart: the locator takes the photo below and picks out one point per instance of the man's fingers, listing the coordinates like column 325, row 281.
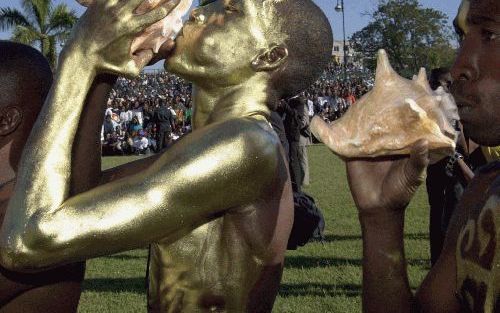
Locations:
column 419, row 160
column 320, row 130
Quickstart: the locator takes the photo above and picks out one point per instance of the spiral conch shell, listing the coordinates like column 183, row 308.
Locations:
column 396, row 113
column 158, row 33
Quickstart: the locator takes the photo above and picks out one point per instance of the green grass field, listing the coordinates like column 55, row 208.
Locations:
column 320, row 277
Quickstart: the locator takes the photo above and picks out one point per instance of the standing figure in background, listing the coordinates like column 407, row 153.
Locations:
column 165, row 123
column 304, row 140
column 445, row 180
column 293, row 111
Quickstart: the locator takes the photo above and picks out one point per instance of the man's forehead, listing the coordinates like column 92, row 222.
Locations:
column 476, row 10
column 485, row 4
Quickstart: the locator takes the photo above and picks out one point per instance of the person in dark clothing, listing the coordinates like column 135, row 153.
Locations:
column 446, row 179
column 165, row 122
column 293, row 111
column 278, row 126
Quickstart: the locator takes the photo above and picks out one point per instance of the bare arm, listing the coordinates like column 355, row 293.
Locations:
column 382, row 188
column 223, row 166
column 44, row 226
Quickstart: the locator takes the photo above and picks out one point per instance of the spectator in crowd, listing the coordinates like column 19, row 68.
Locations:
column 109, row 125
column 164, row 118
column 294, row 113
column 304, row 140
column 134, row 126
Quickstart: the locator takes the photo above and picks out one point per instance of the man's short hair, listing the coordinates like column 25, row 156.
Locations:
column 309, row 43
column 24, row 71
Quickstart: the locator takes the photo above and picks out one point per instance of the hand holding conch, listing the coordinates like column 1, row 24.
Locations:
column 150, row 23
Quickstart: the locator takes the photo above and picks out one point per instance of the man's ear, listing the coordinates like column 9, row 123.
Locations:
column 10, row 118
column 270, row 59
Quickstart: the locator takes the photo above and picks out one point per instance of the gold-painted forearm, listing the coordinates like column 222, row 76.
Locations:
column 45, row 168
column 174, row 195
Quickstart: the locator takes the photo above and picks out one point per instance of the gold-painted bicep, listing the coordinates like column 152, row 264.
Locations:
column 214, row 169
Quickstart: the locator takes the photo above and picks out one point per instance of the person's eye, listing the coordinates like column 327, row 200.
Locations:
column 489, row 35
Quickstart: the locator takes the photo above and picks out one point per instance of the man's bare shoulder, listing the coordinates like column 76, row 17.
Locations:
column 254, row 133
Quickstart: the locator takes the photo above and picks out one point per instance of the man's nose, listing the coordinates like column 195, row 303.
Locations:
column 466, row 67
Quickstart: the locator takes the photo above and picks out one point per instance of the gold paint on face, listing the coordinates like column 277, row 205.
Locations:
column 222, row 38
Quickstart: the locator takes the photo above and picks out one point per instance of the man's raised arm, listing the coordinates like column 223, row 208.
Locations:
column 44, row 227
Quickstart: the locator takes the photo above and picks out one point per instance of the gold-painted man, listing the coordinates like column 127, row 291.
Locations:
column 218, row 204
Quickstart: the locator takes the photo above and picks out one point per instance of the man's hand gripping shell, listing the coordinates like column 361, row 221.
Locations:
column 105, row 32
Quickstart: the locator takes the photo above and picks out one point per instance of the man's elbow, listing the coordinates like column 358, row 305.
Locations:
column 24, row 253
column 15, row 256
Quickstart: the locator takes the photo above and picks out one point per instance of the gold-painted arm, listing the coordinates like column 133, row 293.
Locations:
column 212, row 170
column 44, row 227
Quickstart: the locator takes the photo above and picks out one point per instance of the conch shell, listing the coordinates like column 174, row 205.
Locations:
column 396, row 113
column 158, row 33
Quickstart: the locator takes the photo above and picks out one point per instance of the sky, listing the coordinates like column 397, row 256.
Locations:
column 355, row 12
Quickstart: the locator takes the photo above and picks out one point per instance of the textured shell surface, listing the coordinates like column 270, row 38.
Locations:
column 391, row 117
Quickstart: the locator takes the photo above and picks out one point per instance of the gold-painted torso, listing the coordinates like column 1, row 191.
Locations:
column 216, row 267
column 205, row 271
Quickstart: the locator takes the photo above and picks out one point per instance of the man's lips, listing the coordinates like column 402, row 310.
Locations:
column 463, row 102
column 465, row 108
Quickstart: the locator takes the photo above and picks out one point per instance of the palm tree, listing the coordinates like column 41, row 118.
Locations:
column 41, row 23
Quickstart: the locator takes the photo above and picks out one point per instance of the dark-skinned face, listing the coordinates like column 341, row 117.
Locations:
column 476, row 72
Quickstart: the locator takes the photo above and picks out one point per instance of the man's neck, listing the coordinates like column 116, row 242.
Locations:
column 7, row 173
column 222, row 103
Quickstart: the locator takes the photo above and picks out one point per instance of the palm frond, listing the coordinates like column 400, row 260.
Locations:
column 61, row 19
column 39, row 10
column 26, row 34
column 10, row 17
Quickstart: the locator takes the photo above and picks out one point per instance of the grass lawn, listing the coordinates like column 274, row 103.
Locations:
column 320, row 277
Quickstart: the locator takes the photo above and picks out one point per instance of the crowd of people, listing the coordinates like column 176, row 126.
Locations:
column 136, row 121
column 131, row 127
column 331, row 95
